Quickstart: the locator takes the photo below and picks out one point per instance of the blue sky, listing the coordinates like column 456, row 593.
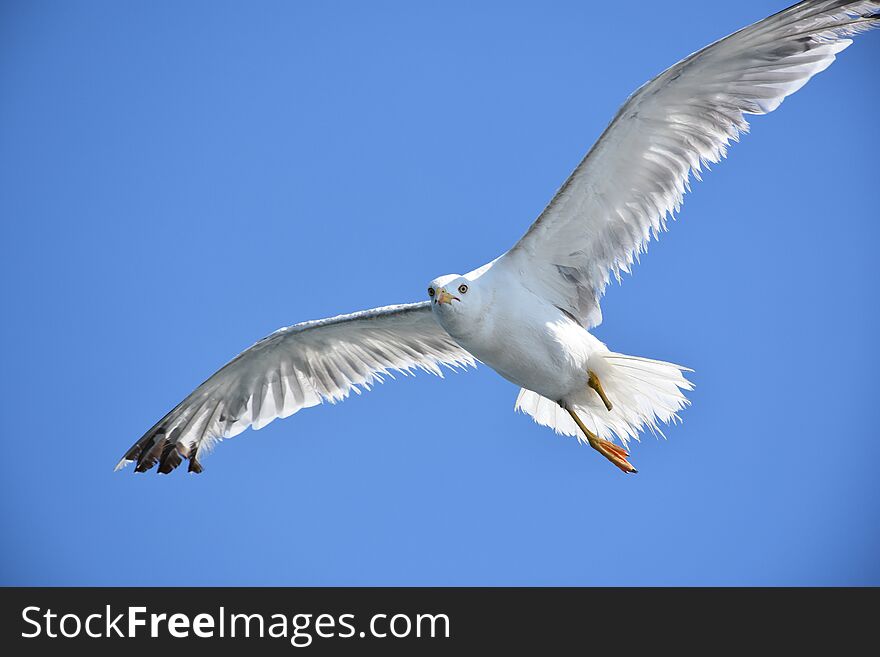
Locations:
column 179, row 179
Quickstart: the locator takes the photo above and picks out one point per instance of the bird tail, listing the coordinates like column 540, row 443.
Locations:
column 643, row 393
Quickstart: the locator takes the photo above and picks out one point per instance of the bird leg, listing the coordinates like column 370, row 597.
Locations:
column 617, row 455
column 596, row 385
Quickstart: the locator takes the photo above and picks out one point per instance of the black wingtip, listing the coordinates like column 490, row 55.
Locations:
column 170, row 459
column 194, row 464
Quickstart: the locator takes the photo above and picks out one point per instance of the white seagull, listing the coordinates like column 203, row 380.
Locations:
column 527, row 314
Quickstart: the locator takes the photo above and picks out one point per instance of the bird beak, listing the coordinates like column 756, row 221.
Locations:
column 444, row 297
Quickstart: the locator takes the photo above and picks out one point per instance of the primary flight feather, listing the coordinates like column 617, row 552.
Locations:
column 527, row 313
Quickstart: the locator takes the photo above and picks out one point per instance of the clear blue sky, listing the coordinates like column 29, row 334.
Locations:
column 179, row 179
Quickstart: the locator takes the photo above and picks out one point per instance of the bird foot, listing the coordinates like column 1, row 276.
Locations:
column 595, row 384
column 617, row 455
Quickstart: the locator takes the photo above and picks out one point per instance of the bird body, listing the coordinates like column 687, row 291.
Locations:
column 520, row 335
column 528, row 313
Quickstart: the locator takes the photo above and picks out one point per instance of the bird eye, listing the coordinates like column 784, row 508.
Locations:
column 430, row 291
column 462, row 288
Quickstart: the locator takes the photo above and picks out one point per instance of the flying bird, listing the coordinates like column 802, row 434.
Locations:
column 528, row 313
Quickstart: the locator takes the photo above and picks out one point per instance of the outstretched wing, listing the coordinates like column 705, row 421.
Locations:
column 636, row 174
column 297, row 367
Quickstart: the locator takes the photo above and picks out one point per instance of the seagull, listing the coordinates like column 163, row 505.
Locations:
column 528, row 313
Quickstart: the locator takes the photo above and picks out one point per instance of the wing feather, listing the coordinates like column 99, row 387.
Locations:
column 294, row 368
column 636, row 175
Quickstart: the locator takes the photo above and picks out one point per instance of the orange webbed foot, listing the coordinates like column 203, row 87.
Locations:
column 617, row 455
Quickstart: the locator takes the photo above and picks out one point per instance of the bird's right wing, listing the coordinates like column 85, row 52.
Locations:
column 293, row 368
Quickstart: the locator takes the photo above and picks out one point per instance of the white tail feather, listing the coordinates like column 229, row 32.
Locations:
column 643, row 393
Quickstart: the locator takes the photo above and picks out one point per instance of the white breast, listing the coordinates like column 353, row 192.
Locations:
column 525, row 339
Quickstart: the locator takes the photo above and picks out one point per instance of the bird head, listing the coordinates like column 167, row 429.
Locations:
column 454, row 298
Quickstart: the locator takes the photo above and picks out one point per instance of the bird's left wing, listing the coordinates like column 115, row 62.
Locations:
column 636, row 174
column 297, row 367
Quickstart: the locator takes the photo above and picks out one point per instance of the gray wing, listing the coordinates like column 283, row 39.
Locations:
column 636, row 174
column 294, row 368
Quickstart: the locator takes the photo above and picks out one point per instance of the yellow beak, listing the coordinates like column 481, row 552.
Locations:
column 444, row 297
